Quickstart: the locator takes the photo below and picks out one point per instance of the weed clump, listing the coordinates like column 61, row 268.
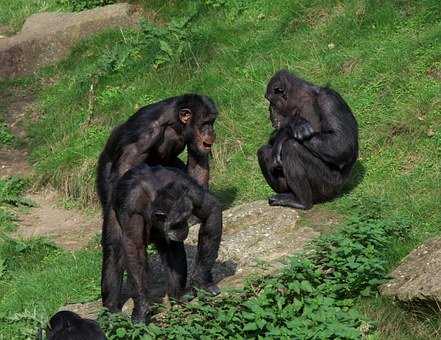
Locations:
column 81, row 5
column 313, row 297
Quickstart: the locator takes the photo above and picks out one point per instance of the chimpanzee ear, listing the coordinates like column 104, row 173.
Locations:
column 185, row 115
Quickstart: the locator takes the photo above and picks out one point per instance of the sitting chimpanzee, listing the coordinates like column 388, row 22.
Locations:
column 311, row 153
column 154, row 135
column 66, row 325
column 152, row 205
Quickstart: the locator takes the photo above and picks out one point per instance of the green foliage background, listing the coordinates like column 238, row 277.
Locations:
column 384, row 59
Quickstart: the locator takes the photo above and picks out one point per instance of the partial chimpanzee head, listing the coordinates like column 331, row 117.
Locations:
column 281, row 92
column 171, row 210
column 66, row 325
column 197, row 113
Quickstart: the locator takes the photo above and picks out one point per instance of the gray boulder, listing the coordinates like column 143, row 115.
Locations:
column 48, row 37
column 256, row 239
column 418, row 277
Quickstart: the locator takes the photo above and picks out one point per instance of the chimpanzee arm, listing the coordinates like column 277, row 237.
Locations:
column 198, row 168
column 336, row 144
column 209, row 239
column 307, row 122
column 277, row 140
column 135, row 153
column 310, row 111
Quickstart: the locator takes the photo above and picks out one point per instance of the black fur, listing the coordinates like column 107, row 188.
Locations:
column 155, row 135
column 66, row 325
column 153, row 205
column 311, row 153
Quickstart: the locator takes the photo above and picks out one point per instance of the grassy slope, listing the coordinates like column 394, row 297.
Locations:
column 14, row 13
column 383, row 57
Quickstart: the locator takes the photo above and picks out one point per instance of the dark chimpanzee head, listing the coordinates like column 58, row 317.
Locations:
column 197, row 113
column 281, row 94
column 66, row 325
column 171, row 210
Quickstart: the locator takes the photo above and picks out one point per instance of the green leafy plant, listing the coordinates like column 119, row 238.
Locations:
column 81, row 5
column 168, row 42
column 312, row 298
column 6, row 137
column 11, row 191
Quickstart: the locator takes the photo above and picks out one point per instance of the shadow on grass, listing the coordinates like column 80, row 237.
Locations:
column 357, row 176
column 226, row 196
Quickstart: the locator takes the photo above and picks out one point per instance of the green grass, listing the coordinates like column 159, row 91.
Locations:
column 6, row 137
column 13, row 13
column 38, row 279
column 383, row 57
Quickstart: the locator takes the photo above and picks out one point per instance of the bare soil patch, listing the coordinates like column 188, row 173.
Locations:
column 69, row 229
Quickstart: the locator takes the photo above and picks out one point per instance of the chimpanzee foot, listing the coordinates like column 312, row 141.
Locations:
column 287, row 200
column 213, row 289
column 206, row 283
column 209, row 287
column 187, row 295
column 141, row 314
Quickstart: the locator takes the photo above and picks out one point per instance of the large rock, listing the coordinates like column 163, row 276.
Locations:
column 418, row 277
column 256, row 239
column 48, row 37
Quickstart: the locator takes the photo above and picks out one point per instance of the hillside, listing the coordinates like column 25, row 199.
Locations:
column 383, row 57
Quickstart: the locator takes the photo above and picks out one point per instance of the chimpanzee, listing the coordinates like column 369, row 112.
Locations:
column 67, row 325
column 152, row 205
column 311, row 153
column 155, row 135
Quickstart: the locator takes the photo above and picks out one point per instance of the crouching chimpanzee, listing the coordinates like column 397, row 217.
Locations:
column 311, row 153
column 66, row 325
column 155, row 135
column 152, row 205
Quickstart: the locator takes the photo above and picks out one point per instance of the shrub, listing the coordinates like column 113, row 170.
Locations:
column 81, row 5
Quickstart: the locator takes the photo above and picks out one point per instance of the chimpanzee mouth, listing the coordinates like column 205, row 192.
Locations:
column 207, row 145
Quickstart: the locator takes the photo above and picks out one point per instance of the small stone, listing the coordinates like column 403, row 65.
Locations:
column 331, row 46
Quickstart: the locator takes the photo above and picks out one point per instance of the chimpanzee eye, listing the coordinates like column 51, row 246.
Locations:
column 278, row 90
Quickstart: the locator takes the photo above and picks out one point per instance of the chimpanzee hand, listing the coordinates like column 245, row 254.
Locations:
column 301, row 129
column 277, row 156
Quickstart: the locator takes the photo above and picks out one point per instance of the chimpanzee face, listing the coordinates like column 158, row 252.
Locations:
column 203, row 134
column 171, row 215
column 277, row 95
column 199, row 117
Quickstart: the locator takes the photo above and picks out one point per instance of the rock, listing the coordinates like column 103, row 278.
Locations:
column 256, row 239
column 89, row 310
column 418, row 277
column 47, row 37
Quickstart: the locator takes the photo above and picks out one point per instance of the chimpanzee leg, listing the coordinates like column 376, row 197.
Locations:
column 209, row 239
column 174, row 258
column 300, row 195
column 178, row 163
column 112, row 265
column 136, row 262
column 274, row 177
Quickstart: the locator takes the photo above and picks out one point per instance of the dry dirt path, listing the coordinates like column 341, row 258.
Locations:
column 70, row 229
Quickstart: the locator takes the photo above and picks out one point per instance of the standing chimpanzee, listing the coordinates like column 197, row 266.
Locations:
column 156, row 134
column 66, row 325
column 311, row 153
column 153, row 205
